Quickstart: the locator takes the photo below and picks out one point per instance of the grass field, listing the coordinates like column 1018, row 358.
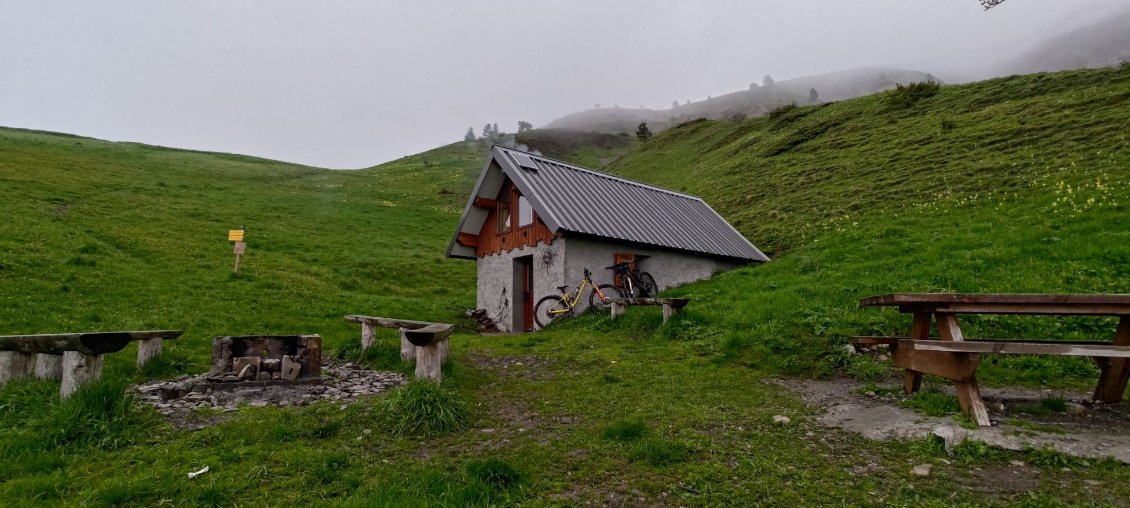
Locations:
column 1017, row 184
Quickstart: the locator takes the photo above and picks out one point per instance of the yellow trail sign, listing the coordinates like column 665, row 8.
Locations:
column 235, row 235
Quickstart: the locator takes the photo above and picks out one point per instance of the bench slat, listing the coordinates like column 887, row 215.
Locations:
column 678, row 303
column 430, row 334
column 93, row 343
column 388, row 322
column 1019, row 348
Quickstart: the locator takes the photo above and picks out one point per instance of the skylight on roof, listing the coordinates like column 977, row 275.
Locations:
column 524, row 161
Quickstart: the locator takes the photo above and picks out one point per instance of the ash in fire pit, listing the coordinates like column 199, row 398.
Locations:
column 266, row 358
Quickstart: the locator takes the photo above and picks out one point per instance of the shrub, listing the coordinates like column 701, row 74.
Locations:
column 905, row 96
column 421, row 407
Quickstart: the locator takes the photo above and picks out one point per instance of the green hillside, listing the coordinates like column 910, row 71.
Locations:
column 1017, row 184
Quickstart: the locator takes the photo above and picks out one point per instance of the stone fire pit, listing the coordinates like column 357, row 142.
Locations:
column 259, row 371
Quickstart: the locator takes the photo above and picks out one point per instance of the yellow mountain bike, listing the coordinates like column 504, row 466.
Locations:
column 552, row 308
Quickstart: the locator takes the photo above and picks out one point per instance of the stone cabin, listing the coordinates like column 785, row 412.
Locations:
column 533, row 224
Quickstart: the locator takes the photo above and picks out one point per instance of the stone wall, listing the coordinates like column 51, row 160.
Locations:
column 669, row 268
column 496, row 280
column 563, row 263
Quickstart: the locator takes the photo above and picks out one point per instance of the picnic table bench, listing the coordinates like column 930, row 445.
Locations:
column 75, row 358
column 423, row 341
column 671, row 306
column 955, row 358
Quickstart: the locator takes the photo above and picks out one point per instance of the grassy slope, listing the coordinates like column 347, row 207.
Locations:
column 1012, row 185
column 103, row 235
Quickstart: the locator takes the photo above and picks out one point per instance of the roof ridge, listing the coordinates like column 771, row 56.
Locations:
column 604, row 175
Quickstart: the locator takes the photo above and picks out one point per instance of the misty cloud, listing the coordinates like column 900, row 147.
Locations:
column 352, row 84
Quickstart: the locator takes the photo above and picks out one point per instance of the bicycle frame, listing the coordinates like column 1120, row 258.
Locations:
column 572, row 298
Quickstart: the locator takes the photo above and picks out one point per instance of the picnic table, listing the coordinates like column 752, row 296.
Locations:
column 953, row 357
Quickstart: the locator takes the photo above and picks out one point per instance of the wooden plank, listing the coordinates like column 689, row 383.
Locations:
column 875, row 340
column 389, row 322
column 1045, row 309
column 898, row 299
column 1021, row 348
column 1001, row 303
column 78, row 370
column 467, row 240
column 428, row 335
column 429, row 363
column 919, row 329
column 148, row 349
column 968, row 393
column 15, row 365
column 950, row 365
column 677, row 303
column 1116, row 371
column 48, row 366
column 485, row 203
column 93, row 343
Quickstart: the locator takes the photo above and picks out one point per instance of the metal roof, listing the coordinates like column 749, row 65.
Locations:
column 577, row 200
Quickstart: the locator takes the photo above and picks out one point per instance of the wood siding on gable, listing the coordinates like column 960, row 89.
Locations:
column 493, row 242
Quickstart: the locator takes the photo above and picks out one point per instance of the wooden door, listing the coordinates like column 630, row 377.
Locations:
column 527, row 267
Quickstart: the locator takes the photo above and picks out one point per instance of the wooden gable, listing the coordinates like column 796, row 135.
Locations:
column 510, row 224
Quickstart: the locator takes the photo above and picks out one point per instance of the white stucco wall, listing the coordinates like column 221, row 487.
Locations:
column 563, row 263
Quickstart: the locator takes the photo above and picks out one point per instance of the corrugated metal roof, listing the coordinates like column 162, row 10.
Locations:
column 578, row 200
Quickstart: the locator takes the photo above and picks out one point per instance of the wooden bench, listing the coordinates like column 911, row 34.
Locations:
column 671, row 306
column 75, row 358
column 420, row 340
column 955, row 358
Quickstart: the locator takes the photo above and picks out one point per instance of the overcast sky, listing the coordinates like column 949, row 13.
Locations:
column 349, row 84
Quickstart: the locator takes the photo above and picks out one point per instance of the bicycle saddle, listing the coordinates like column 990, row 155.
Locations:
column 562, row 288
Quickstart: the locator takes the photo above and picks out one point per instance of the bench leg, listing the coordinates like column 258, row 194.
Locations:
column 1115, row 371
column 79, row 370
column 428, row 362
column 968, row 393
column 15, row 365
column 911, row 381
column 148, row 349
column 407, row 349
column 368, row 336
column 48, row 366
column 668, row 311
column 920, row 330
column 617, row 310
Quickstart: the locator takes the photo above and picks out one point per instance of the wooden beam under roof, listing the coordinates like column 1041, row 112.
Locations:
column 468, row 240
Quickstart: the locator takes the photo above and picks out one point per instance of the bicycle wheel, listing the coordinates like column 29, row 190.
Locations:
column 648, row 287
column 610, row 292
column 550, row 309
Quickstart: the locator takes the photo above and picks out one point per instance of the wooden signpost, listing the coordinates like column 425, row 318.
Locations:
column 240, row 247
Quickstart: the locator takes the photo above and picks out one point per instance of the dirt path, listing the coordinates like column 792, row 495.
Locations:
column 1093, row 431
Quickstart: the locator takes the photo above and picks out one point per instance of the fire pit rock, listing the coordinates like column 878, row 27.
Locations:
column 341, row 381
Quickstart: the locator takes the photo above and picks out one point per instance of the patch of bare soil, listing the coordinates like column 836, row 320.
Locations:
column 1086, row 430
column 526, row 366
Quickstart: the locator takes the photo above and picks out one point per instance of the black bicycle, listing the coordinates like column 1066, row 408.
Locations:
column 633, row 282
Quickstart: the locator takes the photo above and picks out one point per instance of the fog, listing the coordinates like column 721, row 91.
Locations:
column 349, row 84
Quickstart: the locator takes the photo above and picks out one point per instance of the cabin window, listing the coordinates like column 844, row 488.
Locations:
column 525, row 212
column 504, row 212
column 503, row 217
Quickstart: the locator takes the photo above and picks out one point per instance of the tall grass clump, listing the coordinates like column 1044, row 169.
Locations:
column 422, row 407
column 101, row 415
column 493, row 471
column 626, row 430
